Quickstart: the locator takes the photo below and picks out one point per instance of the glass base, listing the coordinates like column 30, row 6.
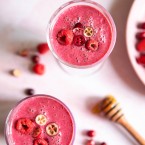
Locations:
column 80, row 71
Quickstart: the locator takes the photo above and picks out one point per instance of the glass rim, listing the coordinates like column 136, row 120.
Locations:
column 35, row 96
column 96, row 6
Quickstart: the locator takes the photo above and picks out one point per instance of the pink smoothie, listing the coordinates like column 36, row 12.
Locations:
column 88, row 16
column 54, row 110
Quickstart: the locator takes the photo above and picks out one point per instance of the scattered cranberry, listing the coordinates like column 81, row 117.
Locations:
column 78, row 25
column 90, row 142
column 35, row 58
column 37, row 132
column 103, row 143
column 65, row 37
column 42, row 48
column 140, row 35
column 141, row 25
column 40, row 141
column 141, row 59
column 91, row 45
column 24, row 126
column 39, row 69
column 79, row 40
column 141, row 46
column 91, row 133
column 29, row 91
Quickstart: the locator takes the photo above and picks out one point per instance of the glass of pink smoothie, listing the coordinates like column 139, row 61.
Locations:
column 40, row 119
column 81, row 34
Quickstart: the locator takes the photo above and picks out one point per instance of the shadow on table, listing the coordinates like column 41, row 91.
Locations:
column 5, row 107
column 119, row 58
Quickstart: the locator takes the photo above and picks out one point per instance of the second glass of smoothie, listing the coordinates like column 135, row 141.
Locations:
column 81, row 34
column 40, row 120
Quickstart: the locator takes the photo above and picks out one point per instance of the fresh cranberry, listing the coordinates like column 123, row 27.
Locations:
column 90, row 142
column 91, row 45
column 29, row 91
column 39, row 69
column 24, row 126
column 103, row 143
column 91, row 133
column 36, row 132
column 35, row 58
column 40, row 141
column 140, row 35
column 65, row 37
column 79, row 40
column 141, row 59
column 141, row 25
column 42, row 48
column 141, row 46
column 78, row 25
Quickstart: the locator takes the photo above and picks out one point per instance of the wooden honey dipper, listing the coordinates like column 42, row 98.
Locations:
column 111, row 109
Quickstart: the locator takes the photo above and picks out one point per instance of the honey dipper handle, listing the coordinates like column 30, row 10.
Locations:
column 131, row 130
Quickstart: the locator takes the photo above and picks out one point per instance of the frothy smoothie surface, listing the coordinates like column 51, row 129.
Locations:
column 41, row 121
column 89, row 17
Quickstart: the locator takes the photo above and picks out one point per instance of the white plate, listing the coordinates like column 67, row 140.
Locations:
column 136, row 15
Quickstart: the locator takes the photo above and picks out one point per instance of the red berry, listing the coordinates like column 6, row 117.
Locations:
column 140, row 35
column 141, row 59
column 42, row 48
column 79, row 40
column 39, row 69
column 35, row 58
column 90, row 142
column 141, row 25
column 29, row 91
column 78, row 25
column 91, row 133
column 91, row 45
column 103, row 143
column 141, row 46
column 65, row 37
column 40, row 141
column 37, row 132
column 24, row 126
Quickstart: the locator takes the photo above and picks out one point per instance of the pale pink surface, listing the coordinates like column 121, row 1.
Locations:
column 54, row 110
column 88, row 16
